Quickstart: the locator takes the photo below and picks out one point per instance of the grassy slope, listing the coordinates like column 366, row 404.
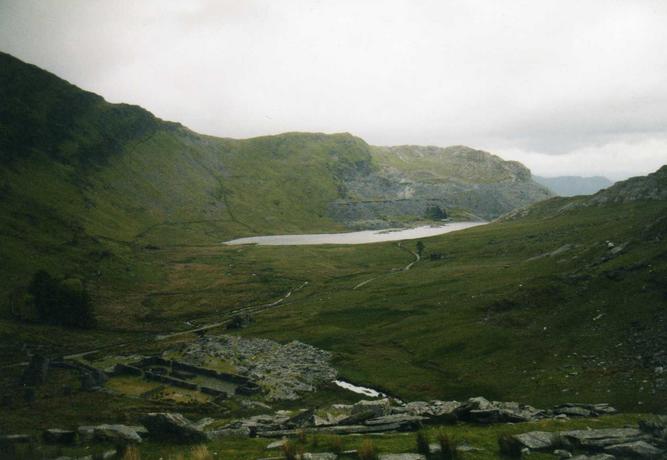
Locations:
column 487, row 319
column 471, row 323
column 85, row 185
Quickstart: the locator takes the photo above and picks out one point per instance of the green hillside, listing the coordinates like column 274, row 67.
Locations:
column 554, row 306
column 557, row 301
column 86, row 186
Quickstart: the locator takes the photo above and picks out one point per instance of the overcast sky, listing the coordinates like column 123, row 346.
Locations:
column 567, row 87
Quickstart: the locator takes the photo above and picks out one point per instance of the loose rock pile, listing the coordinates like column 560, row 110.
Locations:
column 648, row 441
column 283, row 371
column 385, row 415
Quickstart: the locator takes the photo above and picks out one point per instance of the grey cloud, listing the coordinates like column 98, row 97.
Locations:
column 554, row 77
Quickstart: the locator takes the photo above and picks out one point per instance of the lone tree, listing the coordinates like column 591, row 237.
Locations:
column 420, row 248
column 61, row 302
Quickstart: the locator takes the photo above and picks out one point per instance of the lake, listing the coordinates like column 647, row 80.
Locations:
column 362, row 237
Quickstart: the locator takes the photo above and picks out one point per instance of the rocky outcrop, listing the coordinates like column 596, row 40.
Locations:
column 598, row 444
column 174, row 427
column 538, row 440
column 635, row 449
column 598, row 439
column 650, row 187
column 382, row 415
column 480, row 410
column 409, row 180
column 58, row 436
column 377, row 407
column 319, row 456
column 8, row 439
column 401, row 457
column 584, row 410
column 117, row 434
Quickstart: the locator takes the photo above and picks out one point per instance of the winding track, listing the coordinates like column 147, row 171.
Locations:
column 393, row 270
column 228, row 315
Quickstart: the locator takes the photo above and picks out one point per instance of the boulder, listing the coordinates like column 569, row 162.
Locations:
column 319, row 456
column 467, row 448
column 481, row 410
column 562, row 453
column 15, row 439
column 485, row 416
column 92, row 379
column 86, row 433
column 598, row 439
column 359, row 417
column 514, row 412
column 405, row 421
column 656, row 427
column 414, row 408
column 203, row 423
column 227, row 432
column 328, row 419
column 58, row 436
column 304, row 418
column 636, row 449
column 603, row 409
column 339, row 429
column 401, row 457
column 377, row 407
column 572, row 410
column 476, row 403
column 140, row 430
column 120, row 434
column 594, row 457
column 538, row 440
column 107, row 454
column 277, row 444
column 437, row 409
column 478, row 407
column 261, row 422
column 172, row 426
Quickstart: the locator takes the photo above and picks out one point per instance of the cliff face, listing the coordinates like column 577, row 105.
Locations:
column 409, row 179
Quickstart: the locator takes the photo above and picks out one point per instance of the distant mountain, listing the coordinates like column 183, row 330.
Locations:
column 135, row 208
column 79, row 174
column 574, row 185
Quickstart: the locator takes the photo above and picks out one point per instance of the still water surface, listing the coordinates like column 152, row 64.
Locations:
column 362, row 237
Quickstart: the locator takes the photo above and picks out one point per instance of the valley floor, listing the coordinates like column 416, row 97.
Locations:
column 542, row 310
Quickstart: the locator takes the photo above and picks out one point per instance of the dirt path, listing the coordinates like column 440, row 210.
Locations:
column 230, row 314
column 393, row 270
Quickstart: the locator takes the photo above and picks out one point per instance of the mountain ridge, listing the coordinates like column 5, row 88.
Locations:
column 97, row 174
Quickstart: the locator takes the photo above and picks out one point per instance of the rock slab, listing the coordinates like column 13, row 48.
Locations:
column 172, row 426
